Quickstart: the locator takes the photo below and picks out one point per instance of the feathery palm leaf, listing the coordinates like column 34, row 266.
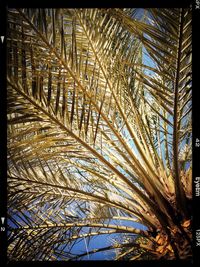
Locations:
column 99, row 132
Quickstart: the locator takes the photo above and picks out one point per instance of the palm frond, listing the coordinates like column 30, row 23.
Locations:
column 99, row 131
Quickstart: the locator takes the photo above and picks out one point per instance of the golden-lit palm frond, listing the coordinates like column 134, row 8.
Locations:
column 99, row 130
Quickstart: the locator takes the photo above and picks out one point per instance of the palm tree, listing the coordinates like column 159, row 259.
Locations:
column 99, row 132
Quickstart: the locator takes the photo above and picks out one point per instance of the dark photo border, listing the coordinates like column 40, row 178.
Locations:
column 195, row 124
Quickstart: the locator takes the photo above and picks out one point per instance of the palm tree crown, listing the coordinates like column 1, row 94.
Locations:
column 99, row 132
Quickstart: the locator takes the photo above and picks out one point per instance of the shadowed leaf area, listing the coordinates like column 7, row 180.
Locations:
column 99, row 134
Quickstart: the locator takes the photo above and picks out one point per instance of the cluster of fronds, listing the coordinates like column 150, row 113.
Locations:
column 99, row 132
